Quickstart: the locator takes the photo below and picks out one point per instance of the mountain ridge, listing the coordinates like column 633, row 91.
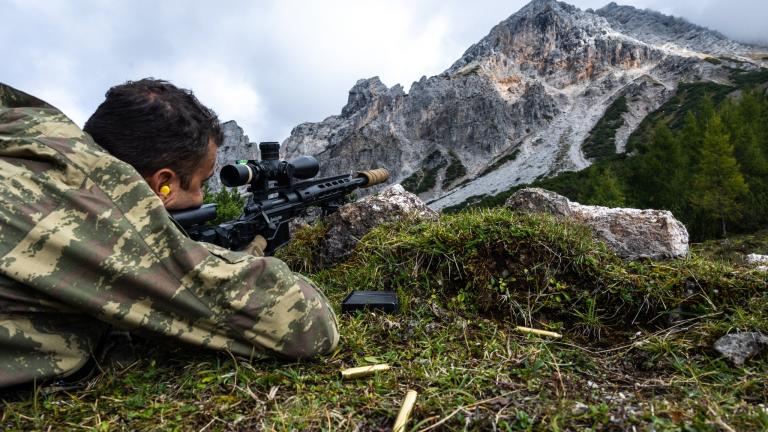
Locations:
column 519, row 103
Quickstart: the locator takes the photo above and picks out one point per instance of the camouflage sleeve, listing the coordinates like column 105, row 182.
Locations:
column 82, row 230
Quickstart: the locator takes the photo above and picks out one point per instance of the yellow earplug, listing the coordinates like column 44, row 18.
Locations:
column 165, row 190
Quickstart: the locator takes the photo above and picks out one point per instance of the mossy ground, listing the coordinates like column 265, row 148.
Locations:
column 636, row 350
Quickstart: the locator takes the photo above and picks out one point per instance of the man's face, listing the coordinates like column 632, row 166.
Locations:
column 193, row 196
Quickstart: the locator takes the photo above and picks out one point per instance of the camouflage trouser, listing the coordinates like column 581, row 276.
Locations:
column 39, row 346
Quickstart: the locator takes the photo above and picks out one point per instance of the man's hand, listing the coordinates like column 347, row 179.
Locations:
column 257, row 246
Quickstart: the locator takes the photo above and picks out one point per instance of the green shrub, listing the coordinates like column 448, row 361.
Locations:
column 455, row 170
column 601, row 141
column 229, row 203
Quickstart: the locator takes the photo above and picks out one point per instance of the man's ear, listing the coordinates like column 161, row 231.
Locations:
column 165, row 183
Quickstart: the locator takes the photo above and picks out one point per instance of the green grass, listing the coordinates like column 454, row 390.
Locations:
column 733, row 250
column 635, row 352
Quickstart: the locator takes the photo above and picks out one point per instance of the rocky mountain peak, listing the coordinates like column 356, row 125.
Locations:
column 656, row 28
column 541, row 28
column 366, row 91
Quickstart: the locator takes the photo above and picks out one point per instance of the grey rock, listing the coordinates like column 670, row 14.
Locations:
column 738, row 347
column 757, row 259
column 760, row 261
column 656, row 28
column 352, row 221
column 631, row 233
column 536, row 200
column 579, row 408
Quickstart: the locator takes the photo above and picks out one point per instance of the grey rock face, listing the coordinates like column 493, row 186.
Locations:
column 352, row 221
column 655, row 28
column 518, row 104
column 738, row 347
column 631, row 233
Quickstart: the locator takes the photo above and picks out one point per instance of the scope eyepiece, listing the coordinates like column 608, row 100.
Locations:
column 238, row 174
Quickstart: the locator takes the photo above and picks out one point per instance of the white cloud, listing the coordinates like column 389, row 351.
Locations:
column 225, row 90
column 65, row 100
column 270, row 65
column 360, row 39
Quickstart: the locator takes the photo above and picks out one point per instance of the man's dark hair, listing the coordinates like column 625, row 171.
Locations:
column 152, row 124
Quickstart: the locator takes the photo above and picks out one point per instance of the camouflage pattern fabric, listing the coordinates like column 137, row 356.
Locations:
column 85, row 244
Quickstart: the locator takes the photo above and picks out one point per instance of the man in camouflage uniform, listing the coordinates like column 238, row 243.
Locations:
column 86, row 243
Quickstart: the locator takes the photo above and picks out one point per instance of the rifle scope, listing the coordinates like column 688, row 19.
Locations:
column 270, row 167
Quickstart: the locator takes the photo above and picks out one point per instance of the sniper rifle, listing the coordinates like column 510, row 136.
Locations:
column 279, row 192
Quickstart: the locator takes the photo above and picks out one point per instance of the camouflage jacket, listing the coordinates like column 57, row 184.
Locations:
column 85, row 244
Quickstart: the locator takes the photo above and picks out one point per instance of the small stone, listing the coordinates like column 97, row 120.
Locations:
column 738, row 347
column 757, row 259
column 579, row 408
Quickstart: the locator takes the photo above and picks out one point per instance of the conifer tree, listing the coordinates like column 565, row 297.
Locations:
column 718, row 186
column 662, row 173
column 607, row 189
column 743, row 121
column 690, row 137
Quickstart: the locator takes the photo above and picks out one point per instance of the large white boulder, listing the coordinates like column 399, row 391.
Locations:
column 631, row 233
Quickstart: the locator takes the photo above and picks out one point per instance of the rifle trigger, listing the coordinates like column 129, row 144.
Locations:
column 271, row 225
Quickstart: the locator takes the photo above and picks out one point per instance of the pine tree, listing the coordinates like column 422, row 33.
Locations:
column 743, row 121
column 718, row 186
column 746, row 126
column 690, row 138
column 662, row 173
column 607, row 189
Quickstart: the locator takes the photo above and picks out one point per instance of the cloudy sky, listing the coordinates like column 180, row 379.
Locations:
column 270, row 64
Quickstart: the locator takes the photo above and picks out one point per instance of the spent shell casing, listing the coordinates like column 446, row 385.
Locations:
column 547, row 333
column 405, row 411
column 362, row 371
